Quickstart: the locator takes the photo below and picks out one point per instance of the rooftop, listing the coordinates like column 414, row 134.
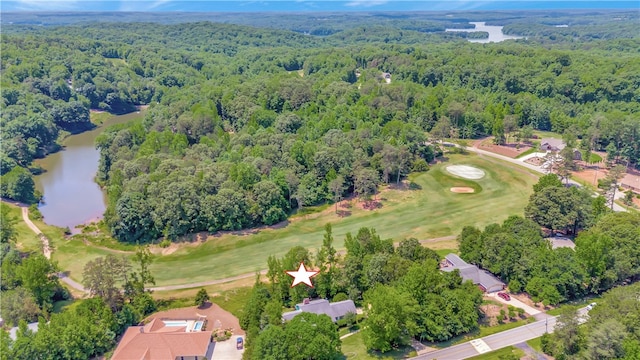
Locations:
column 472, row 273
column 334, row 310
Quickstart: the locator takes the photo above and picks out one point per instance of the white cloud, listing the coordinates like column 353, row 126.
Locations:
column 43, row 5
column 366, row 3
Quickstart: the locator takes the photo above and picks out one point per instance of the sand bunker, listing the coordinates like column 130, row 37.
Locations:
column 466, row 171
column 462, row 190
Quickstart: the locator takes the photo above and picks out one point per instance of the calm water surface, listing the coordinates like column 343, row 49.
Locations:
column 495, row 33
column 71, row 196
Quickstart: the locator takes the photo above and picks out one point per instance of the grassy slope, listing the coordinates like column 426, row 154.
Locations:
column 26, row 240
column 433, row 211
column 353, row 348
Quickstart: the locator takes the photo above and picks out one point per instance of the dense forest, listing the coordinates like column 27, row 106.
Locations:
column 246, row 125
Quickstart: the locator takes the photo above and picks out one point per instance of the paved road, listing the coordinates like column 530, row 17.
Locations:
column 519, row 162
column 495, row 341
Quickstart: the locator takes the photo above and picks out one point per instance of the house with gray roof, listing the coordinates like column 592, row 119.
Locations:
column 335, row 311
column 484, row 279
column 551, row 144
column 556, row 145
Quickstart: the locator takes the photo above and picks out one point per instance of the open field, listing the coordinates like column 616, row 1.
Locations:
column 429, row 212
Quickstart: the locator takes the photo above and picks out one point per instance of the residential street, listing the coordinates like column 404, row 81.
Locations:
column 495, row 341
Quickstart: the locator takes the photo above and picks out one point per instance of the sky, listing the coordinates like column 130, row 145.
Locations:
column 303, row 5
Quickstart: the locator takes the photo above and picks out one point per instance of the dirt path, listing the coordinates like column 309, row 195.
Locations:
column 46, row 248
column 263, row 272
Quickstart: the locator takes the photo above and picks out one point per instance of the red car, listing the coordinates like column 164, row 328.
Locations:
column 504, row 296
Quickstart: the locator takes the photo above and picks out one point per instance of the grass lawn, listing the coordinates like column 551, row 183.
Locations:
column 499, row 354
column 58, row 306
column 594, row 158
column 490, row 330
column 536, row 344
column 530, row 151
column 429, row 212
column 98, row 118
column 353, row 348
column 547, row 134
column 26, row 240
column 579, row 303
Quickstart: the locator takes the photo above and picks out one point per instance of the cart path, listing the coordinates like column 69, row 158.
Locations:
column 46, row 248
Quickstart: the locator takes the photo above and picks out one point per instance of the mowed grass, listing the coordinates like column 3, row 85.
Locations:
column 432, row 211
column 353, row 348
column 26, row 240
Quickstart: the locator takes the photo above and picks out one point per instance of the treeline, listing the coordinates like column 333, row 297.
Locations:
column 606, row 251
column 402, row 291
column 612, row 330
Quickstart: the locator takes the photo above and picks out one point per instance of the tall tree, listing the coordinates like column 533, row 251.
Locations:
column 7, row 224
column 102, row 276
column 38, row 275
column 336, row 186
column 312, row 336
column 327, row 260
column 389, row 321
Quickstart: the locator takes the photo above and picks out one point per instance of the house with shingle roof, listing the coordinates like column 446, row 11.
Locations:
column 485, row 280
column 335, row 311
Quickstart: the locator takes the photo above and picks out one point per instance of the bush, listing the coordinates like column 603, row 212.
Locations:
column 165, row 243
column 34, row 212
column 340, row 297
column 348, row 320
column 419, row 165
column 201, row 297
column 515, row 286
column 545, row 344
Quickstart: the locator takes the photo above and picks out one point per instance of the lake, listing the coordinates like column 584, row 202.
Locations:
column 495, row 33
column 71, row 195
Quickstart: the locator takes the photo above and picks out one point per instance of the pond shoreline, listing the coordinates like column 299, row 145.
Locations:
column 71, row 196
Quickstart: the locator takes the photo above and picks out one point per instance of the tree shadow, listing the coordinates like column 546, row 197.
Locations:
column 371, row 205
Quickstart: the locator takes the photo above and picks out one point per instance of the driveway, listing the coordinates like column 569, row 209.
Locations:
column 515, row 302
column 226, row 350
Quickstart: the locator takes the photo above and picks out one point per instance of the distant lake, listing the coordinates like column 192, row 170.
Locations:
column 71, row 195
column 495, row 33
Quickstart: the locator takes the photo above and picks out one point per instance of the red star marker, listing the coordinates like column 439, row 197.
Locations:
column 302, row 276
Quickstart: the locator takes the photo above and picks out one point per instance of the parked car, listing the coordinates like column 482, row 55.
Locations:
column 590, row 306
column 239, row 343
column 504, row 296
